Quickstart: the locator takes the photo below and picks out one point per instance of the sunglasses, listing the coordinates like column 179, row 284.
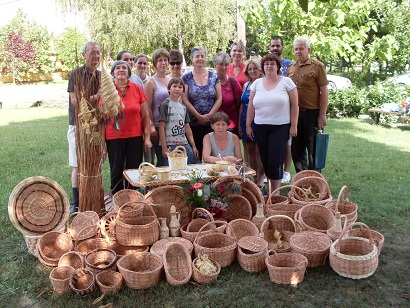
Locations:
column 175, row 63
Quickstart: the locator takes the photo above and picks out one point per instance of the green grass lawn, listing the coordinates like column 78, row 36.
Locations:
column 373, row 161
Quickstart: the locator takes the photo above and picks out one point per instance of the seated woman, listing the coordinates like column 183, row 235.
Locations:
column 221, row 144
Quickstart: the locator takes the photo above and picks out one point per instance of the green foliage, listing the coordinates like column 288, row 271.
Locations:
column 69, row 46
column 346, row 103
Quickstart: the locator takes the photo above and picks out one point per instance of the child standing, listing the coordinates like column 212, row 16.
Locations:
column 174, row 129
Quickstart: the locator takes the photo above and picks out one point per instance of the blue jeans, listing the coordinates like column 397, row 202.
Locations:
column 189, row 152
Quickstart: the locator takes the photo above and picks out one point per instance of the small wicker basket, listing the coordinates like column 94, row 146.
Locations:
column 286, row 268
column 100, row 260
column 344, row 207
column 82, row 281
column 159, row 246
column 73, row 259
column 147, row 172
column 278, row 239
column 177, row 264
column 52, row 245
column 316, row 188
column 126, row 195
column 109, row 282
column 59, row 277
column 242, row 227
column 252, row 252
column 378, row 238
column 314, row 217
column 164, row 174
column 202, row 278
column 178, row 159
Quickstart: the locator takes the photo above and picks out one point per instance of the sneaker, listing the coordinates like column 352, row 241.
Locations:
column 73, row 208
column 286, row 177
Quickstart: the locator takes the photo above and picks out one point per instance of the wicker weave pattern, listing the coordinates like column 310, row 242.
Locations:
column 316, row 188
column 59, row 278
column 252, row 251
column 314, row 217
column 73, row 259
column 344, row 207
column 177, row 264
column 286, row 268
column 126, row 195
column 109, row 282
column 204, row 278
column 242, row 227
column 101, row 259
column 159, row 247
column 52, row 245
column 82, row 281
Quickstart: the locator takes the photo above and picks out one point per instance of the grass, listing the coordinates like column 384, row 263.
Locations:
column 373, row 161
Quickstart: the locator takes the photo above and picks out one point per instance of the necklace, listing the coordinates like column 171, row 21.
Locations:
column 123, row 90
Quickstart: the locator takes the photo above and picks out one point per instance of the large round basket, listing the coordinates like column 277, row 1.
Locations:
column 242, row 227
column 344, row 207
column 218, row 246
column 314, row 246
column 278, row 238
column 60, row 277
column 72, row 259
column 314, row 217
column 378, row 238
column 177, row 264
column 100, row 260
column 252, row 251
column 238, row 207
column 109, row 282
column 354, row 257
column 52, row 245
column 141, row 270
column 287, row 267
column 124, row 196
column 253, row 200
column 143, row 230
column 83, row 225
column 306, row 173
column 204, row 278
column 38, row 205
column 170, row 194
column 159, row 246
column 316, row 189
column 82, row 281
column 274, row 197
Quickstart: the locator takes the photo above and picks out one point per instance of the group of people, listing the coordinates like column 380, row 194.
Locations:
column 273, row 105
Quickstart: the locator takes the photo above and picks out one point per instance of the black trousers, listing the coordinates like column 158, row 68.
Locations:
column 123, row 151
column 199, row 131
column 303, row 145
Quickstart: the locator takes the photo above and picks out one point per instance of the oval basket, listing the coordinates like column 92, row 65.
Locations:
column 83, row 225
column 238, row 207
column 190, row 235
column 177, row 264
column 82, row 281
column 52, row 245
column 100, row 260
column 72, row 259
column 287, row 267
column 344, row 207
column 306, row 173
column 141, row 270
column 316, row 188
column 314, row 246
column 202, row 278
column 354, row 257
column 315, row 217
column 38, row 205
column 147, row 172
column 159, row 246
column 60, row 277
column 252, row 252
column 378, row 238
column 218, row 246
column 242, row 227
column 271, row 226
column 124, row 196
column 109, row 282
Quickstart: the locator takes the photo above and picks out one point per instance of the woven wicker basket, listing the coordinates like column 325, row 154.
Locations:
column 314, row 217
column 143, row 231
column 306, row 173
column 202, row 278
column 82, row 281
column 274, row 224
column 314, row 246
column 218, row 246
column 130, row 211
column 378, row 238
column 60, row 277
column 316, row 188
column 180, row 161
column 147, row 172
column 354, row 257
column 242, row 227
column 52, row 245
column 31, row 243
column 83, row 225
column 159, row 246
column 238, row 207
column 100, row 260
column 126, row 195
column 177, row 264
column 252, row 252
column 286, row 268
column 141, row 270
column 109, row 282
column 198, row 222
column 38, row 205
column 344, row 207
column 72, row 259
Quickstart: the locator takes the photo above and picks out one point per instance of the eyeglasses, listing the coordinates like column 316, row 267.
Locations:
column 175, row 63
column 270, row 64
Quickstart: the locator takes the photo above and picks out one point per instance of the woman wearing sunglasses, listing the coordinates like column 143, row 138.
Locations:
column 273, row 106
column 175, row 63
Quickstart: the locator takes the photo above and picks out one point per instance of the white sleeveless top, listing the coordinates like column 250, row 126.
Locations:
column 215, row 151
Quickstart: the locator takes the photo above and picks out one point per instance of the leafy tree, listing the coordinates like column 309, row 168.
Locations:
column 143, row 26
column 68, row 46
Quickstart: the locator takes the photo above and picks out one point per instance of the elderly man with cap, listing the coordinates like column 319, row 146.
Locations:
column 125, row 145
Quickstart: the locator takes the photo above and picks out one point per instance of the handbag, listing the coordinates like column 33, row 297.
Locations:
column 322, row 142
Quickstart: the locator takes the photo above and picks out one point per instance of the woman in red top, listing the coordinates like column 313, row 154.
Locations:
column 125, row 142
column 237, row 67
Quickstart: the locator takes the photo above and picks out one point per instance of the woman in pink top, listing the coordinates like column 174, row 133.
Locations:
column 237, row 68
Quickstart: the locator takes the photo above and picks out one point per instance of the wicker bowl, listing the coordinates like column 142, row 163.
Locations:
column 242, row 227
column 109, row 282
column 314, row 217
column 286, row 268
column 177, row 264
column 52, row 245
column 100, row 260
column 159, row 246
column 141, row 270
column 378, row 238
column 59, row 277
column 316, row 189
column 73, row 259
column 82, row 281
column 306, row 173
column 124, row 196
column 202, row 278
column 252, row 251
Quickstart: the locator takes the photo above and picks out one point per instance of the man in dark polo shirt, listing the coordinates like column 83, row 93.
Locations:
column 84, row 79
column 309, row 75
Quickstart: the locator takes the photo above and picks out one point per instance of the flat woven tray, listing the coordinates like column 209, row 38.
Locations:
column 38, row 205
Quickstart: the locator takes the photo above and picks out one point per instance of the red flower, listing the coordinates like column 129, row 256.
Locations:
column 220, row 188
column 198, row 185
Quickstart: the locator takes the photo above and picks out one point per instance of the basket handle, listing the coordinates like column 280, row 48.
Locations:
column 270, row 252
column 272, row 217
column 349, row 227
column 310, row 177
column 76, row 239
column 180, row 148
column 221, row 222
column 339, row 197
column 70, row 220
column 203, row 210
column 293, row 187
